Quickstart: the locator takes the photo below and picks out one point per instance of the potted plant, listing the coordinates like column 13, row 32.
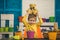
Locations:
column 53, row 34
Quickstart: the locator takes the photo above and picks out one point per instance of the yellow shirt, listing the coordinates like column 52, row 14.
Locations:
column 32, row 27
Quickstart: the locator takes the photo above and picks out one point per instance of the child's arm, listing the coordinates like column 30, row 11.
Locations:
column 40, row 20
column 24, row 20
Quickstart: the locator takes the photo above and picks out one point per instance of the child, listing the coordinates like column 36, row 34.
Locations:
column 31, row 25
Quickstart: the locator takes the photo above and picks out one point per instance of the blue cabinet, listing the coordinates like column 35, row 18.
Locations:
column 57, row 12
column 12, row 7
column 1, row 6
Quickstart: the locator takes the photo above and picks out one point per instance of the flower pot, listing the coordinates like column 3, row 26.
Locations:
column 30, row 34
column 11, row 29
column 52, row 35
column 20, row 18
column 6, row 29
column 51, row 19
column 2, row 29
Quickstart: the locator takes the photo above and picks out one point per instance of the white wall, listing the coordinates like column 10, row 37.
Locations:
column 45, row 7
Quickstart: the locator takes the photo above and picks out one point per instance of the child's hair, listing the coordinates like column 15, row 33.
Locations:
column 31, row 16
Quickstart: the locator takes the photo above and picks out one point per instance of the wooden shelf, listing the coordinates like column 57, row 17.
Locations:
column 48, row 24
column 9, row 33
column 6, row 32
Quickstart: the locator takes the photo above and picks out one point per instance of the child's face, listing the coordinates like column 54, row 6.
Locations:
column 32, row 21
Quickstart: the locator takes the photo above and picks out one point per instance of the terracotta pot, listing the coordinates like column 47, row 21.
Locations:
column 20, row 18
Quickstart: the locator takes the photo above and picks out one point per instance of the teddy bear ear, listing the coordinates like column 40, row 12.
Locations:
column 32, row 5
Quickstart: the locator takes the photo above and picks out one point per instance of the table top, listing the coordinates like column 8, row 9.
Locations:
column 6, row 32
